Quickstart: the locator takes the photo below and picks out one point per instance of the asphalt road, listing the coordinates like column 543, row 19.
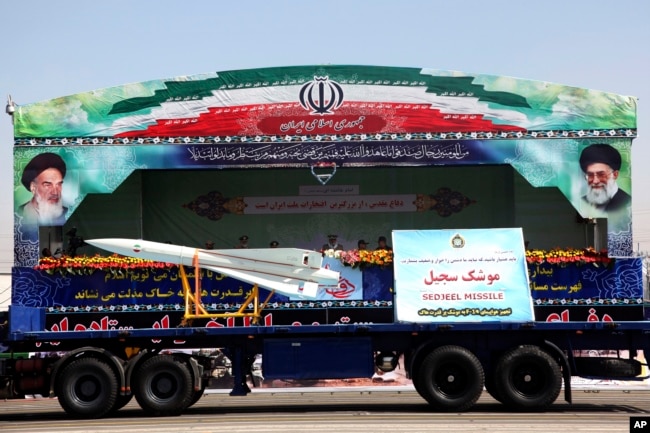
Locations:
column 338, row 412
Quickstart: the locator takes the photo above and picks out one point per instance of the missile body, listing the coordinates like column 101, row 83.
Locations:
column 289, row 271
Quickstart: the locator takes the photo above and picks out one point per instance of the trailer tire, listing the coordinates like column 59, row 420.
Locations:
column 120, row 402
column 164, row 386
column 87, row 388
column 450, row 378
column 196, row 396
column 491, row 388
column 527, row 377
column 609, row 367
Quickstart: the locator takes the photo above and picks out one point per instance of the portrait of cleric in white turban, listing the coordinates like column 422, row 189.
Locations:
column 600, row 164
column 43, row 177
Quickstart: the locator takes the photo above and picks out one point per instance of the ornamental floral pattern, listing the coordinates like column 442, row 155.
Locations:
column 569, row 255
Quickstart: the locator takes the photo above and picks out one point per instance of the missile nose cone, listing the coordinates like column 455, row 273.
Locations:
column 99, row 243
column 147, row 250
column 119, row 246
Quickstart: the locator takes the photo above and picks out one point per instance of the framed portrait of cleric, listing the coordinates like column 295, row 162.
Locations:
column 603, row 185
column 43, row 178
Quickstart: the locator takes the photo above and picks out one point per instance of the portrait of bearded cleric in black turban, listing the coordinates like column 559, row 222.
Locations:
column 43, row 177
column 600, row 164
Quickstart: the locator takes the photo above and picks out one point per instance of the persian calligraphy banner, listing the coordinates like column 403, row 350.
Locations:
column 328, row 204
column 160, row 289
column 350, row 282
column 461, row 275
column 619, row 282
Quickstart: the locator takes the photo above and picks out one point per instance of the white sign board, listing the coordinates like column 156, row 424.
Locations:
column 461, row 276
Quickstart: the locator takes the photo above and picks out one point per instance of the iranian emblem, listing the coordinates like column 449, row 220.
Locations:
column 457, row 241
column 321, row 95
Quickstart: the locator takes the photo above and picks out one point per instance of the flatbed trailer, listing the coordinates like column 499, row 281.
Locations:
column 523, row 365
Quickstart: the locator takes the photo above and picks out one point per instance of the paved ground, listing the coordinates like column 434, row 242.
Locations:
column 336, row 411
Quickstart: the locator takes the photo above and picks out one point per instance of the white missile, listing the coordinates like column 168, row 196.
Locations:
column 289, row 271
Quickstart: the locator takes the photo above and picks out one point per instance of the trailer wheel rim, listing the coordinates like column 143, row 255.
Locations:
column 164, row 385
column 452, row 380
column 529, row 379
column 87, row 388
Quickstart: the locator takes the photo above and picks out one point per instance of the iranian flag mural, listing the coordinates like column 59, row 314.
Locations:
column 328, row 100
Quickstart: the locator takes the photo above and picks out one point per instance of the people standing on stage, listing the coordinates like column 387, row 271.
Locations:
column 382, row 245
column 243, row 242
column 332, row 243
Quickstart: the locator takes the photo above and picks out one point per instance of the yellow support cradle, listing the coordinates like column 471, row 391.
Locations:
column 194, row 308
